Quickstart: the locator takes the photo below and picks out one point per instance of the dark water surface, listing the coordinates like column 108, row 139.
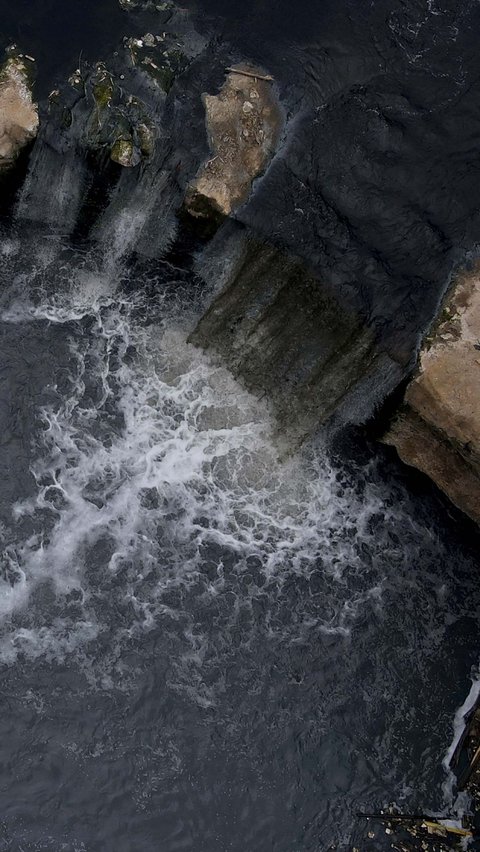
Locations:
column 206, row 645
column 203, row 647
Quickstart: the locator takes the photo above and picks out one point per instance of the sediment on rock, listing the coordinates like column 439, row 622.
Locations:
column 18, row 111
column 438, row 427
column 243, row 124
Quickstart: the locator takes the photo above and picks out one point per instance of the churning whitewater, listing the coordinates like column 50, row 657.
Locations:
column 155, row 474
column 184, row 601
column 212, row 640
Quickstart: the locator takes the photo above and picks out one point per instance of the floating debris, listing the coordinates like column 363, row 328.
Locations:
column 408, row 832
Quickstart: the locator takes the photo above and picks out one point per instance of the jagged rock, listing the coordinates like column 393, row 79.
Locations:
column 118, row 123
column 243, row 123
column 103, row 88
column 18, row 112
column 438, row 427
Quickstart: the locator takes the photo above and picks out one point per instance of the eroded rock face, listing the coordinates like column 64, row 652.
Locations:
column 118, row 122
column 284, row 334
column 243, row 123
column 18, row 112
column 438, row 427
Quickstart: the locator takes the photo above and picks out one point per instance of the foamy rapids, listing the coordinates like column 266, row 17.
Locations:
column 161, row 505
column 157, row 464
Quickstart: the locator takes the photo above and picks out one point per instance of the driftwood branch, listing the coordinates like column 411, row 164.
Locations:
column 267, row 77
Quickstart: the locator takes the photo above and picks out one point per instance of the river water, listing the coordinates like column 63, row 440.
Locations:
column 207, row 642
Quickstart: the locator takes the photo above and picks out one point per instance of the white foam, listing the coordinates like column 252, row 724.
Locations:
column 157, row 473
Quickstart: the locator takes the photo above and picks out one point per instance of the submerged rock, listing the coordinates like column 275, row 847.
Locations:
column 243, row 124
column 162, row 57
column 146, row 6
column 438, row 427
column 118, row 123
column 18, row 111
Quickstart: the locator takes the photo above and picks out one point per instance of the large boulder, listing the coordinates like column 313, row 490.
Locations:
column 438, row 427
column 18, row 112
column 243, row 124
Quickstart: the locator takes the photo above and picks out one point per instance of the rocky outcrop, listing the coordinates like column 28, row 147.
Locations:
column 243, row 124
column 18, row 112
column 118, row 122
column 438, row 427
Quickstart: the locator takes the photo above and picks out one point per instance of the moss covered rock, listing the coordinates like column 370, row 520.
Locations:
column 103, row 88
column 118, row 123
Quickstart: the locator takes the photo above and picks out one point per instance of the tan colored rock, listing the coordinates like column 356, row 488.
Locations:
column 243, row 123
column 438, row 427
column 18, row 112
